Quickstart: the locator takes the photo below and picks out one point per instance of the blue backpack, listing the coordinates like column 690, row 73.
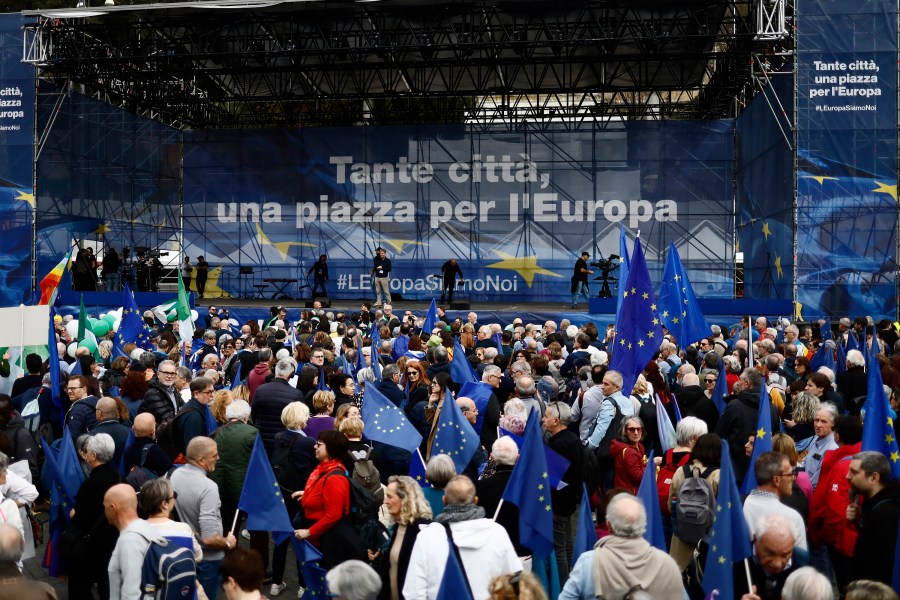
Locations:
column 169, row 572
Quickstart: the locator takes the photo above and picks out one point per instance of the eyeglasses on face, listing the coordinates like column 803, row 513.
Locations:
column 168, row 373
column 412, row 373
column 710, row 380
column 71, row 388
column 634, row 429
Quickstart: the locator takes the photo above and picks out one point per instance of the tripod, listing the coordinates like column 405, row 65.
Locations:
column 767, row 275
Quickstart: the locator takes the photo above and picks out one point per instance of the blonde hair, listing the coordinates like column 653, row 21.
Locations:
column 352, row 427
column 242, row 392
column 322, row 400
column 220, row 401
column 413, row 504
column 781, row 442
column 295, row 415
column 341, row 413
column 640, row 386
column 529, row 588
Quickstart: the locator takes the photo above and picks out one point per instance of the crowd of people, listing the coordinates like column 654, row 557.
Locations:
column 165, row 437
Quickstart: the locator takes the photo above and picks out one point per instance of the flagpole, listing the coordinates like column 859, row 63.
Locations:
column 237, row 513
column 747, row 571
column 499, row 506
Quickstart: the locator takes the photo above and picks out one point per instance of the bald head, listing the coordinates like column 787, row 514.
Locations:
column 626, row 517
column 108, row 408
column 459, row 490
column 120, row 505
column 144, row 425
column 12, row 544
column 467, row 406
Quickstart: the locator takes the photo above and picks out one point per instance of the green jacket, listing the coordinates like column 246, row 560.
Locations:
column 235, row 440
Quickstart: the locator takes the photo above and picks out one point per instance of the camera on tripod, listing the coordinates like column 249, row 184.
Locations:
column 607, row 264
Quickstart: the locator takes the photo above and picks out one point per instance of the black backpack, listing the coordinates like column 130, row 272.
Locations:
column 166, row 436
column 139, row 474
column 289, row 478
column 363, row 514
column 367, row 475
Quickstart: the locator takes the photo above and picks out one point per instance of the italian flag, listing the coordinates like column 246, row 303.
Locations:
column 185, row 320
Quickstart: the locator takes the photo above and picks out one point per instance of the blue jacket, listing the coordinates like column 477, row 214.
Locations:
column 82, row 416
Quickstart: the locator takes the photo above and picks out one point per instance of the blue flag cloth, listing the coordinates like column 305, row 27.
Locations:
column 417, row 469
column 648, row 494
column 75, row 369
column 763, row 441
column 237, row 376
column 557, row 464
column 840, row 364
column 454, row 585
column 497, row 338
column 53, row 362
column 460, row 368
column 211, row 423
column 430, row 319
column 529, row 489
column 261, row 497
column 720, row 390
column 664, row 426
column 480, row 393
column 624, row 268
column 638, row 330
column 305, row 551
column 455, row 436
column 314, row 580
column 729, row 540
column 852, row 342
column 323, row 386
column 824, row 356
column 878, row 429
column 128, row 442
column 132, row 328
column 386, row 423
column 70, row 465
column 679, row 310
column 585, row 533
column 677, row 409
column 375, row 361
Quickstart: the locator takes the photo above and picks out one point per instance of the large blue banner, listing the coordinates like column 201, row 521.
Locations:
column 847, row 153
column 16, row 155
column 516, row 208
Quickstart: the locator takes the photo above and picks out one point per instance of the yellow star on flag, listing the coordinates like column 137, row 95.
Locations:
column 895, row 456
column 646, row 296
column 525, row 266
column 766, row 231
column 26, row 197
column 103, row 229
column 890, row 190
column 820, row 178
column 798, row 311
column 778, row 268
column 761, row 433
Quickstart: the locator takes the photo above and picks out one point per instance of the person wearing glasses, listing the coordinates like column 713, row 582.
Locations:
column 161, row 399
column 629, row 456
column 775, row 480
column 82, row 415
column 190, row 421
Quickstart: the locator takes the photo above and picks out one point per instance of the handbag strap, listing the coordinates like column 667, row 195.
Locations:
column 455, row 550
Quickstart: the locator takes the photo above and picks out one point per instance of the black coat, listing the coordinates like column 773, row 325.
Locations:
column 89, row 511
column 390, row 391
column 158, row 403
column 738, row 423
column 157, row 460
column 693, row 403
column 383, row 564
column 268, row 402
column 759, row 578
column 303, row 453
column 568, row 445
column 489, row 492
column 115, row 430
column 873, row 556
column 852, row 384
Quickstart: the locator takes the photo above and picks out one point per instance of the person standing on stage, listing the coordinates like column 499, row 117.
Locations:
column 450, row 271
column 381, row 270
column 202, row 272
column 319, row 272
column 187, row 270
column 111, row 270
column 580, row 279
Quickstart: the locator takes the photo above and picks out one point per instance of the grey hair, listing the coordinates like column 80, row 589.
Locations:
column 827, row 372
column 440, row 354
column 623, row 524
column 264, row 354
column 752, row 376
column 4, row 462
column 623, row 427
column 490, row 353
column 238, row 409
column 689, row 429
column 12, row 544
column 504, row 451
column 440, row 470
column 102, row 444
column 855, row 359
column 389, row 371
column 831, row 409
column 354, row 580
column 563, row 412
column 521, row 365
column 209, row 334
column 489, row 371
column 514, row 406
column 774, row 523
column 525, row 386
column 208, row 358
column 181, row 371
column 365, row 375
column 806, row 583
column 285, row 367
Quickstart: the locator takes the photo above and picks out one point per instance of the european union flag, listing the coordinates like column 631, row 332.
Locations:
column 237, row 376
column 852, row 342
column 323, row 386
column 840, row 364
column 729, row 540
column 720, row 390
column 455, row 437
column 648, row 494
column 681, row 313
column 529, row 489
column 386, row 423
column 305, row 551
column 664, row 426
column 480, row 393
column 454, row 585
column 315, row 582
column 211, row 423
column 261, row 497
column 557, row 464
column 585, row 533
column 878, row 427
column 624, row 268
column 132, row 328
column 638, row 329
column 70, row 465
column 763, row 442
column 824, row 356
column 460, row 368
column 53, row 362
column 430, row 319
column 497, row 338
column 417, row 469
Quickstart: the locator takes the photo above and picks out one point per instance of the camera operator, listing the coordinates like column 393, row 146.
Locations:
column 580, row 279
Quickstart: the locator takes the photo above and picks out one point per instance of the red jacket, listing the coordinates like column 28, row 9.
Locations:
column 326, row 499
column 828, row 510
column 628, row 464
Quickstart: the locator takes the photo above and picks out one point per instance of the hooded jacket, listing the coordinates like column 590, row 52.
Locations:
column 256, row 378
column 485, row 550
column 618, row 564
column 628, row 464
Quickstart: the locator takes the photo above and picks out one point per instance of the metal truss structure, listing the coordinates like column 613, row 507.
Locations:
column 257, row 63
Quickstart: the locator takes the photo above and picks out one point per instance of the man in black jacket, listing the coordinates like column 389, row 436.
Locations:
column 878, row 519
column 738, row 422
column 490, row 490
column 450, row 271
column 853, row 383
column 270, row 399
column 161, row 399
column 694, row 403
column 319, row 271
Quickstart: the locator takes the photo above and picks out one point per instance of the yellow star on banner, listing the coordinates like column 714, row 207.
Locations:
column 761, row 433
column 26, row 197
column 890, row 190
column 397, row 245
column 212, row 289
column 103, row 229
column 895, row 457
column 888, row 438
column 766, row 231
column 282, row 247
column 525, row 266
column 820, row 178
column 798, row 311
column 778, row 268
